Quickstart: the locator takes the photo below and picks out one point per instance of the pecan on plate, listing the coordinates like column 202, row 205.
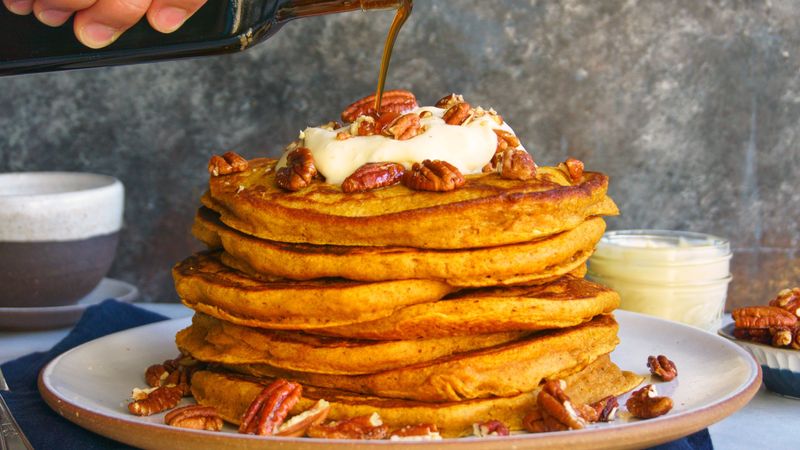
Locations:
column 299, row 424
column 516, row 165
column 557, row 410
column 763, row 317
column 646, row 404
column 448, row 101
column 176, row 372
column 398, row 100
column 490, row 428
column 299, row 170
column 196, row 417
column 403, row 128
column 361, row 427
column 788, row 299
column 230, row 162
column 418, row 432
column 606, row 409
column 433, row 176
column 457, row 114
column 372, row 176
column 270, row 408
column 662, row 367
column 154, row 401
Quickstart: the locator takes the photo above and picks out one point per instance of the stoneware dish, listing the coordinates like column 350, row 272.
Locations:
column 58, row 235
column 780, row 366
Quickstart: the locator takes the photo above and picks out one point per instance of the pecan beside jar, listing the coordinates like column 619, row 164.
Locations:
column 434, row 175
column 763, row 317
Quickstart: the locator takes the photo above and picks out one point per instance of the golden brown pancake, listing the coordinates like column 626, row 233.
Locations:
column 541, row 259
column 504, row 370
column 487, row 211
column 215, row 341
column 566, row 302
column 207, row 286
column 231, row 394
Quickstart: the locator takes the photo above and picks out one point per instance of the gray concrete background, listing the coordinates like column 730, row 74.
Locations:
column 692, row 107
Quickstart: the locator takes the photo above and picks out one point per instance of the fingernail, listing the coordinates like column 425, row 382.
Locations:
column 170, row 18
column 53, row 17
column 21, row 7
column 96, row 35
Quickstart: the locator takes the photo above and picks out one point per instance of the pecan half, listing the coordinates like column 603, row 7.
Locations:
column 419, row 432
column 557, row 408
column 397, row 100
column 760, row 335
column 195, row 417
column 372, row 176
column 299, row 424
column 788, row 299
column 299, row 170
column 490, row 428
column 606, row 409
column 156, row 400
column 403, row 128
column 646, row 404
column 763, row 317
column 448, row 101
column 270, row 408
column 230, row 162
column 434, row 175
column 457, row 114
column 361, row 427
column 517, row 165
column 661, row 366
column 155, row 375
column 177, row 371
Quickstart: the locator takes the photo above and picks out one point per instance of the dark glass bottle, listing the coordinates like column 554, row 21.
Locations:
column 220, row 26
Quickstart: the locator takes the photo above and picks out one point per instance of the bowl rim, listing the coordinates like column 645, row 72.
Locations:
column 100, row 183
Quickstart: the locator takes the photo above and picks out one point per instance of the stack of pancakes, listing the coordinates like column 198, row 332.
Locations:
column 425, row 307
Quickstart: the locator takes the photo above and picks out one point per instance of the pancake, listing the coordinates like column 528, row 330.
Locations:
column 231, row 394
column 207, row 286
column 501, row 371
column 538, row 260
column 215, row 341
column 487, row 211
column 567, row 302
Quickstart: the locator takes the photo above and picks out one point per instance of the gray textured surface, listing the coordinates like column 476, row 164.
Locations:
column 692, row 107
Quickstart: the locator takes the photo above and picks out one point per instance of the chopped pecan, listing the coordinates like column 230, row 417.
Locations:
column 330, row 126
column 195, row 417
column 556, row 407
column 419, row 432
column 228, row 163
column 270, row 408
column 299, row 424
column 433, row 176
column 299, row 170
column 403, row 128
column 363, row 126
column 517, row 165
column 490, row 428
column 606, row 409
column 448, row 101
column 343, row 136
column 372, row 176
column 788, row 299
column 457, row 114
column 574, row 168
column 361, row 427
column 662, row 366
column 156, row 400
column 505, row 140
column 763, row 317
column 646, row 404
column 398, row 101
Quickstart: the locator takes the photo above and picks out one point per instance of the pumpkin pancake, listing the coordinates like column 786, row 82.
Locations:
column 566, row 302
column 231, row 394
column 207, row 286
column 215, row 341
column 487, row 211
column 500, row 371
column 538, row 260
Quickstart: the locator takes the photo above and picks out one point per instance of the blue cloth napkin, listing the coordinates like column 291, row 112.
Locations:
column 47, row 430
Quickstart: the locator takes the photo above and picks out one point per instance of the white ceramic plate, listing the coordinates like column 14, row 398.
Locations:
column 48, row 317
column 89, row 385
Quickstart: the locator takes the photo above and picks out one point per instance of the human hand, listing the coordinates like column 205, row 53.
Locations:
column 98, row 23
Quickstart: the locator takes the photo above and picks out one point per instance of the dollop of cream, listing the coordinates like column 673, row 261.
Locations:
column 468, row 147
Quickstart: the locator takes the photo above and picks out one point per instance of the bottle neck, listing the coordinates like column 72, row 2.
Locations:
column 295, row 9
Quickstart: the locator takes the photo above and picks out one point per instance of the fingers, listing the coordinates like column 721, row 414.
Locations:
column 103, row 22
column 167, row 16
column 21, row 7
column 55, row 12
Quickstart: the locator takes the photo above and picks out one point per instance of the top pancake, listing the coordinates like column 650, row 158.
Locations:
column 487, row 211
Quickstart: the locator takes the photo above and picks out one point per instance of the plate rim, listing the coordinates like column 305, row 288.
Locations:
column 643, row 433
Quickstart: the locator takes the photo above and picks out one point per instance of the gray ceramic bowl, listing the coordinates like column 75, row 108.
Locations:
column 58, row 235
